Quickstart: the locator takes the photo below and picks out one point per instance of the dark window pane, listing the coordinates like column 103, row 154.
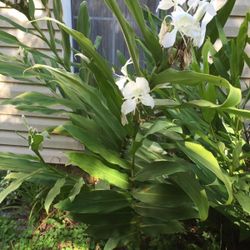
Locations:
column 104, row 24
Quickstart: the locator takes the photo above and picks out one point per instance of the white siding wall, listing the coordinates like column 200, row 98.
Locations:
column 11, row 123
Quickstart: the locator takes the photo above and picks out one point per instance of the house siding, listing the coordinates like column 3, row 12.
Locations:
column 11, row 123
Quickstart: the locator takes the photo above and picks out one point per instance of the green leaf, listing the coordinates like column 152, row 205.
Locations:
column 27, row 164
column 89, row 49
column 58, row 10
column 9, row 39
column 238, row 46
column 205, row 159
column 20, row 163
column 83, row 22
column 53, row 193
column 84, row 93
column 76, row 189
column 99, row 66
column 112, row 243
column 244, row 113
column 128, row 34
column 95, row 202
column 66, row 49
column 160, row 168
column 93, row 144
column 32, row 9
column 36, row 98
column 244, row 200
column 222, row 17
column 162, row 195
column 14, row 24
column 192, row 78
column 155, row 227
column 247, row 59
column 191, row 186
column 166, row 213
column 15, row 69
column 151, row 41
column 16, row 184
column 98, row 169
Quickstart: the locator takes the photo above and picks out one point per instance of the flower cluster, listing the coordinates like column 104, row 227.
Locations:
column 189, row 19
column 134, row 92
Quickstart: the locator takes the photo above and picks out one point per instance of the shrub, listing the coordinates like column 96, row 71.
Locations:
column 164, row 138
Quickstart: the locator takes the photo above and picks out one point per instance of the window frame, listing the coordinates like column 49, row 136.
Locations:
column 67, row 13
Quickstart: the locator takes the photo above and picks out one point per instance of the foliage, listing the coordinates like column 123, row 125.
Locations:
column 153, row 168
column 55, row 232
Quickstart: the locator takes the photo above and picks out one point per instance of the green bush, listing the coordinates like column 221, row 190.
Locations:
column 165, row 139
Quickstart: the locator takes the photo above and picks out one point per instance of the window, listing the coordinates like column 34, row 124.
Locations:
column 104, row 24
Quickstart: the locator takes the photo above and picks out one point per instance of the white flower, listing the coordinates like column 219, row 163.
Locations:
column 121, row 81
column 136, row 92
column 167, row 4
column 191, row 26
column 184, row 23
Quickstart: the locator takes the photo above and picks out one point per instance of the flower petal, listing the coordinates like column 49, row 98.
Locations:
column 124, row 119
column 169, row 39
column 202, row 36
column 143, row 85
column 124, row 69
column 210, row 13
column 129, row 90
column 121, row 82
column 128, row 106
column 148, row 100
column 165, row 5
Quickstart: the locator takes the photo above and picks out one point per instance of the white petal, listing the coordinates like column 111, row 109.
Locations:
column 124, row 69
column 163, row 31
column 124, row 119
column 121, row 82
column 181, row 1
column 193, row 3
column 202, row 36
column 169, row 39
column 129, row 90
column 143, row 85
column 165, row 5
column 183, row 21
column 148, row 100
column 211, row 12
column 128, row 106
column 136, row 89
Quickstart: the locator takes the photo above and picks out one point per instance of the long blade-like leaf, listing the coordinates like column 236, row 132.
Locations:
column 98, row 169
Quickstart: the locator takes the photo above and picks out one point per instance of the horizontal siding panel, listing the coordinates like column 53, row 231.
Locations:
column 21, row 19
column 240, row 10
column 241, row 7
column 38, row 4
column 29, row 39
column 11, row 110
column 49, row 155
column 246, row 72
column 6, row 79
column 16, row 123
column 9, row 138
column 232, row 26
column 15, row 51
column 9, row 90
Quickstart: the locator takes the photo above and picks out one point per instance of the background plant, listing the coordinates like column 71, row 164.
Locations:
column 168, row 164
